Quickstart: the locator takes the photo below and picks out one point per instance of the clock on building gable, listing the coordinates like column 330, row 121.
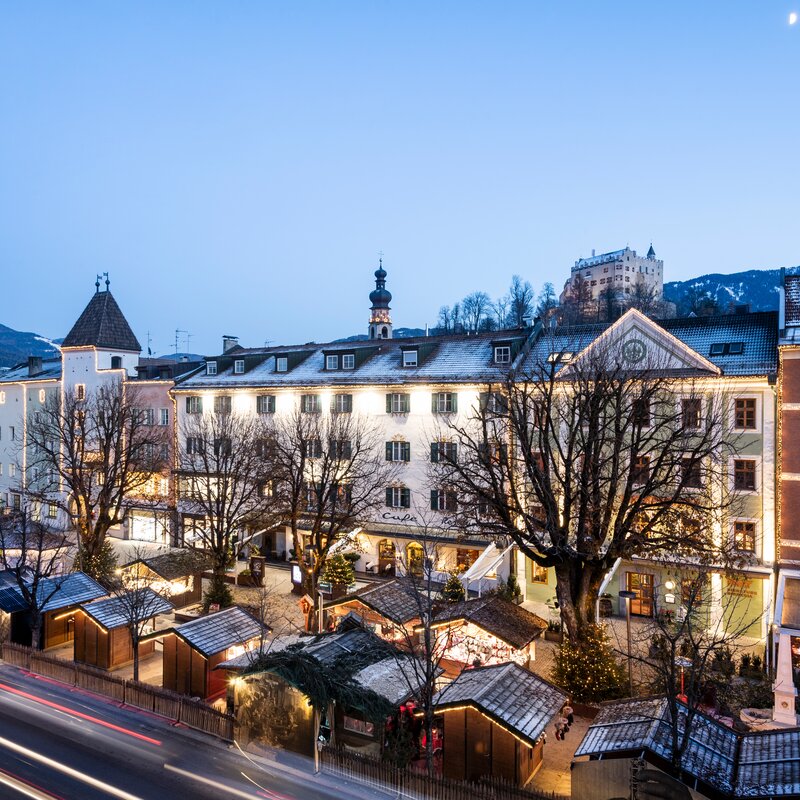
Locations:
column 633, row 351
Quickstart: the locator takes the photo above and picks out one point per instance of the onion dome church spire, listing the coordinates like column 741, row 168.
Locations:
column 380, row 322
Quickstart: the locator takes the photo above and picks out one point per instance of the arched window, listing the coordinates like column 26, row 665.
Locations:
column 415, row 558
column 385, row 332
column 387, row 557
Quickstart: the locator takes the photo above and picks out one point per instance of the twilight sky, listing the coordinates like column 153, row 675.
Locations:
column 237, row 166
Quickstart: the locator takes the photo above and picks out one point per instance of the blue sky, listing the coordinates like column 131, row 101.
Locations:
column 237, row 166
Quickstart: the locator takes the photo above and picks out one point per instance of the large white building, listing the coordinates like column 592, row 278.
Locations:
column 620, row 271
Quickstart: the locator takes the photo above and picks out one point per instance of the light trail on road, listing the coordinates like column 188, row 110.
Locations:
column 25, row 788
column 73, row 713
column 72, row 773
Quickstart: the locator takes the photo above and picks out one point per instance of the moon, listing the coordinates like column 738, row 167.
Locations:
column 793, row 18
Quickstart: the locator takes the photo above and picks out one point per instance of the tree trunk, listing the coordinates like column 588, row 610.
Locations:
column 577, row 592
column 135, row 645
column 36, row 632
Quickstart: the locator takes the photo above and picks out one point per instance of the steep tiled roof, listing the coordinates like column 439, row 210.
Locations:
column 177, row 564
column 213, row 633
column 450, row 359
column 102, row 324
column 115, row 612
column 762, row 764
column 501, row 618
column 61, row 592
column 515, row 698
column 390, row 599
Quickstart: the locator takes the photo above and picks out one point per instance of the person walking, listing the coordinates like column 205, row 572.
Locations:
column 559, row 730
column 569, row 713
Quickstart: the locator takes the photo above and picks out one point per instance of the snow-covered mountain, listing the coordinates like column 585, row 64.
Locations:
column 757, row 287
column 16, row 346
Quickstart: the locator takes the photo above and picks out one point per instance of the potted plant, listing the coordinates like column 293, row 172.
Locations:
column 553, row 632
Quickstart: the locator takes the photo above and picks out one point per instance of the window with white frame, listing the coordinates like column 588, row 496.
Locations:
column 281, row 364
column 398, row 451
column 238, row 366
column 410, row 358
column 442, row 452
column 309, row 403
column 502, row 354
column 691, row 412
column 194, row 445
column 222, row 404
column 342, row 403
column 348, row 361
column 163, row 416
column 398, row 497
column 194, row 404
column 265, row 404
column 398, row 403
column 444, row 500
column 211, row 367
column 148, row 416
column 52, row 510
column 444, row 402
column 331, row 362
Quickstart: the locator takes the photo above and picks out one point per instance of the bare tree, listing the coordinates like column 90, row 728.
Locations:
column 137, row 602
column 643, row 298
column 546, row 302
column 690, row 645
column 578, row 305
column 521, row 297
column 89, row 454
column 445, row 321
column 223, row 463
column 329, row 475
column 475, row 308
column 584, row 463
column 501, row 308
column 34, row 557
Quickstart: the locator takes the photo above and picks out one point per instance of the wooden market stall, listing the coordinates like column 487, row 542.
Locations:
column 193, row 650
column 177, row 575
column 102, row 634
column 494, row 718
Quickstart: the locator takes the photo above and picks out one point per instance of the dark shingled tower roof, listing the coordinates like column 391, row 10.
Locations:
column 102, row 324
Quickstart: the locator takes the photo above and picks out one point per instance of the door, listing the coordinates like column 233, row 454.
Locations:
column 642, row 586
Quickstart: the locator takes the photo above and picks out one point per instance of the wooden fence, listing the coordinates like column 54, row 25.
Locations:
column 414, row 785
column 193, row 713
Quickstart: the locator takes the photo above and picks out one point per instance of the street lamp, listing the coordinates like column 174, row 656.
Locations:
column 627, row 596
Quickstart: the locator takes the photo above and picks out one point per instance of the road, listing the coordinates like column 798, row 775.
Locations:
column 69, row 745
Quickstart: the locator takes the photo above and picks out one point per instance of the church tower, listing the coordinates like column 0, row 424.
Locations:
column 380, row 322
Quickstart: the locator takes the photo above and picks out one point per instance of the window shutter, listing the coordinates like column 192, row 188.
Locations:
column 188, row 405
column 389, row 497
column 434, row 500
column 388, row 451
column 483, row 400
column 406, row 451
column 388, row 404
column 455, row 401
column 434, row 401
column 434, row 452
column 405, row 498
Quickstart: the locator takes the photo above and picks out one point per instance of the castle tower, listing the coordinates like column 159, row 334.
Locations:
column 380, row 322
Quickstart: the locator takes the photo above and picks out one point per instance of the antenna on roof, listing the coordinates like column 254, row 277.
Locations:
column 178, row 332
column 149, row 351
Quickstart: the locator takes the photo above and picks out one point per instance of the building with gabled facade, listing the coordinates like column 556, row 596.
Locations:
column 408, row 385
column 99, row 349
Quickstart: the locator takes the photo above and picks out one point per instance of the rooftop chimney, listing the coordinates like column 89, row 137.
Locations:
column 593, row 252
column 34, row 365
column 229, row 342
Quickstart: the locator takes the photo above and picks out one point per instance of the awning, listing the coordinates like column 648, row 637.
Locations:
column 487, row 561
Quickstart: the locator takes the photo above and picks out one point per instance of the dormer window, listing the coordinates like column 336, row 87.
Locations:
column 238, row 366
column 502, row 354
column 410, row 358
column 211, row 368
column 281, row 364
column 348, row 361
column 331, row 362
